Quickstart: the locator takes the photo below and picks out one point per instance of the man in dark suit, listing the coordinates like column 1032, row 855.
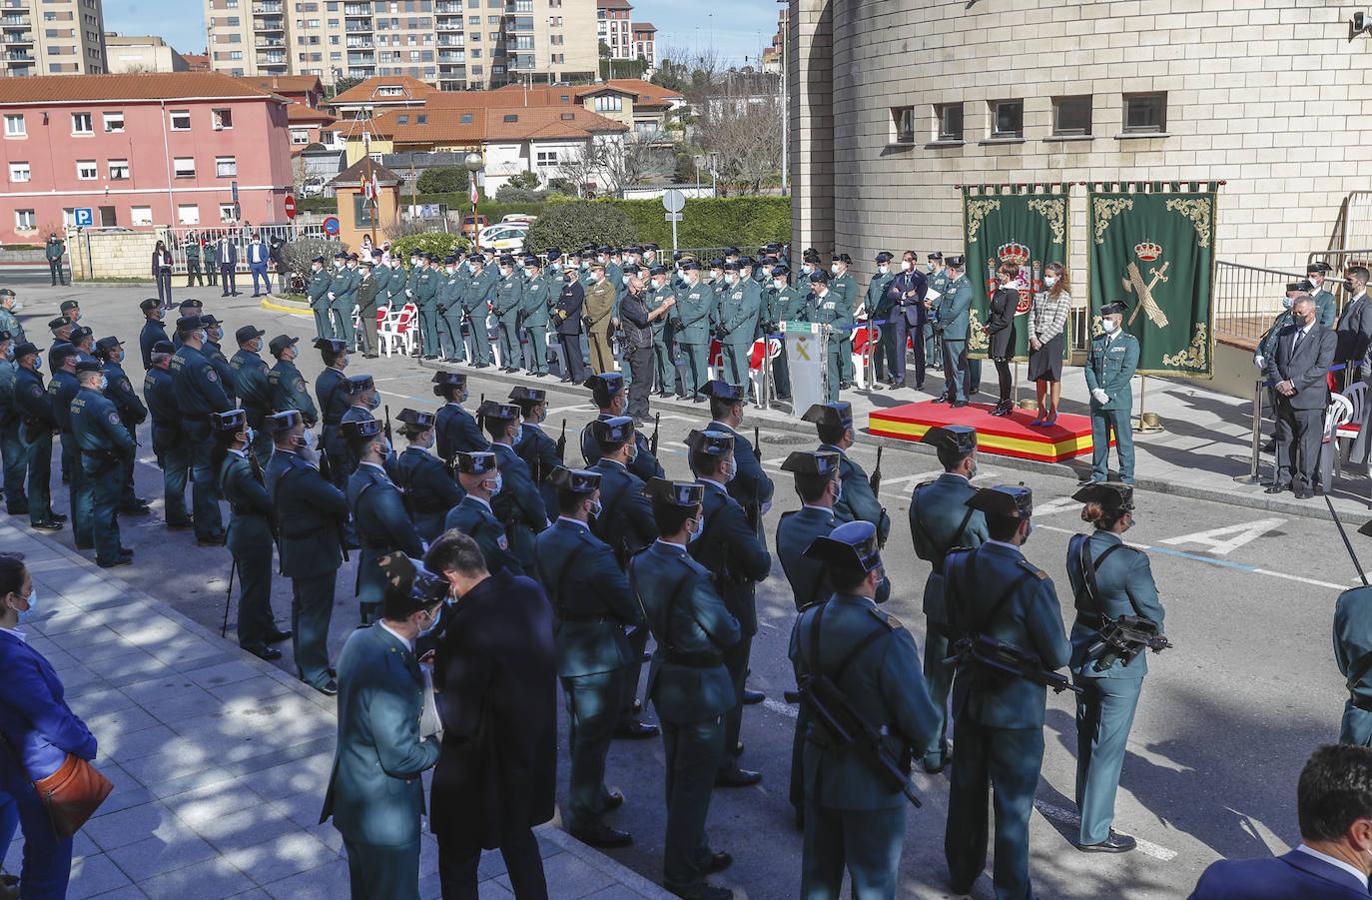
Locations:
column 1355, row 325
column 497, row 771
column 227, row 252
column 567, row 318
column 1334, row 808
column 905, row 296
column 1305, row 351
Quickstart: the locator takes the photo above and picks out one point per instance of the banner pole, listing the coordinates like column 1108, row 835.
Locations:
column 1144, row 425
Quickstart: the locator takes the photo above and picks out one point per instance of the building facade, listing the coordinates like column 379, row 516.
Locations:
column 448, row 43
column 645, row 45
column 140, row 151
column 894, row 105
column 131, row 53
column 54, row 37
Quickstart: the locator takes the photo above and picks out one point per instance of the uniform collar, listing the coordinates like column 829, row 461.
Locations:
column 475, row 499
column 669, row 547
column 405, row 642
column 237, row 453
column 713, row 484
column 574, row 523
column 1004, row 547
column 1338, row 863
column 825, row 511
column 381, row 469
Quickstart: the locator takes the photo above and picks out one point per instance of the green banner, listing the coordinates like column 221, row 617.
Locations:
column 1152, row 245
column 1026, row 224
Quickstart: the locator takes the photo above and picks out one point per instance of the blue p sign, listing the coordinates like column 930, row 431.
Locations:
column 84, row 218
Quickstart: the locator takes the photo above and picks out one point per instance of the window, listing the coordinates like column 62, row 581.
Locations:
column 86, row 170
column 362, row 213
column 227, row 213
column 903, row 124
column 1072, row 116
column 19, row 171
column 188, row 214
column 547, row 158
column 81, row 123
column 180, row 120
column 14, row 125
column 114, row 122
column 609, row 104
column 511, row 118
column 568, row 117
column 119, row 170
column 300, row 136
column 1145, row 113
column 25, row 220
column 1007, row 118
column 184, row 166
column 140, row 215
column 221, row 118
column 466, row 119
column 226, row 167
column 949, row 116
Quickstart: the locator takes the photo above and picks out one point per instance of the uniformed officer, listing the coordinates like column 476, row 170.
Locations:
column 8, row 321
column 785, row 304
column 941, row 521
column 537, row 300
column 363, row 400
column 250, row 534
column 834, row 424
column 1353, row 653
column 994, row 592
column 567, row 315
column 286, row 384
column 690, row 320
column 481, row 480
column 70, row 310
column 37, row 425
column 193, row 276
column 61, row 329
column 370, row 284
column 854, row 818
column 132, row 412
column 1109, row 580
column 878, row 304
column 728, row 546
column 254, row 391
column 537, row 449
column 427, row 282
column 593, row 605
column 518, row 504
column 662, row 296
column 214, row 353
column 457, row 428
column 12, row 454
column 187, row 308
column 823, row 306
column 741, row 305
column 62, row 389
column 607, row 389
column 689, row 685
column 845, row 287
column 506, row 302
column 105, row 446
column 332, row 391
column 342, row 294
column 599, row 310
column 199, row 393
column 153, row 329
column 750, row 486
column 378, row 510
column 476, row 304
column 451, row 286
column 172, row 452
column 427, row 486
column 83, row 339
column 317, row 292
column 952, row 314
column 1326, row 308
column 310, row 514
column 1110, row 364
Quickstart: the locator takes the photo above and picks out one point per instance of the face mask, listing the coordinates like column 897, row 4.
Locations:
column 249, row 435
column 104, row 383
column 1110, row 326
column 529, row 273
column 374, row 402
column 906, row 265
column 499, row 484
column 1286, row 302
column 1050, row 280
column 1028, row 530
column 883, row 269
column 929, row 266
column 729, row 471
column 834, row 268
column 807, row 268
column 37, row 363
column 595, row 510
column 780, row 283
column 27, row 614
column 202, row 335
column 838, row 491
column 433, row 624
column 518, row 435
column 452, row 270
column 309, row 440
column 698, row 530
column 506, row 273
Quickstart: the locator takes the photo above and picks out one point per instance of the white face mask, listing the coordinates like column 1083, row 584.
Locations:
column 498, row 485
column 780, row 283
column 452, row 270
column 104, row 383
column 905, row 265
column 883, row 269
column 834, row 268
column 1286, row 302
column 698, row 530
column 1110, row 326
column 249, row 435
column 1050, row 280
column 309, row 440
column 807, row 268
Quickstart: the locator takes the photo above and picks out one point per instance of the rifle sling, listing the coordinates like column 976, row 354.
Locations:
column 1360, row 667
column 869, row 639
column 957, row 535
column 1088, row 575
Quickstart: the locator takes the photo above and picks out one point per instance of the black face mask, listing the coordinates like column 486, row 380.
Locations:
column 1348, row 285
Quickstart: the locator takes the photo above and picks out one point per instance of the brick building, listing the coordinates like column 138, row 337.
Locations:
column 612, row 27
column 140, row 150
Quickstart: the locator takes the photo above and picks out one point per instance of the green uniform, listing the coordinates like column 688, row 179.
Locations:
column 255, row 396
column 998, row 721
column 690, row 320
column 937, row 281
column 784, row 305
column 952, row 317
column 691, row 690
column 331, row 388
column 828, row 311
column 1110, row 364
column 369, row 288
column 173, row 453
column 310, row 514
column 475, row 304
column 343, row 287
column 473, row 517
column 854, row 819
column 1353, row 653
column 317, row 291
column 13, row 456
column 383, row 528
column 519, row 505
column 105, row 445
column 428, row 489
column 449, row 308
column 1105, row 710
column 62, row 389
column 214, row 355
column 210, row 254
column 375, row 794
column 847, row 288
column 533, row 310
column 1325, row 308
column 664, row 359
column 739, row 311
column 509, row 298
column 591, row 599
column 940, row 521
column 200, row 391
column 250, row 542
column 878, row 306
column 426, row 298
column 37, row 422
column 287, row 388
column 858, row 501
column 133, row 413
column 193, row 276
column 8, row 322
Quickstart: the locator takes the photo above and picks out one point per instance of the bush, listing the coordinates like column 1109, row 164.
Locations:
column 439, row 243
column 297, row 254
column 707, row 222
column 326, row 205
column 575, row 224
column 527, row 181
column 511, row 194
column 443, row 179
column 562, row 186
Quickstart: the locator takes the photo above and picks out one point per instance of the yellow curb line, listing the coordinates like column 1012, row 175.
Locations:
column 292, row 310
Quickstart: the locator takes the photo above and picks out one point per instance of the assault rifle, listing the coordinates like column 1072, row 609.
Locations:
column 1125, row 638
column 652, row 441
column 562, row 442
column 998, row 656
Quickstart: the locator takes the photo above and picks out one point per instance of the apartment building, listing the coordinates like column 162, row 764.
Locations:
column 454, row 44
column 54, row 37
column 645, row 44
column 612, row 27
column 132, row 53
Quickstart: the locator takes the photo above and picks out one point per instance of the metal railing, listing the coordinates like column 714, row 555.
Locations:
column 1248, row 298
column 179, row 237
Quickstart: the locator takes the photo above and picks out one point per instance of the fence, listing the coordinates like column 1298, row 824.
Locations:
column 1248, row 298
column 179, row 237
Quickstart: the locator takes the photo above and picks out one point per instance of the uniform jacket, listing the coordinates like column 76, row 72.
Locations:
column 1355, row 330
column 626, row 520
column 653, row 300
column 1125, row 585
column 214, row 355
column 600, row 304
column 509, row 295
column 456, row 430
column 1353, row 639
column 539, row 453
column 54, row 249
column 429, row 490
column 826, row 310
column 535, row 302
column 879, row 301
column 1110, row 368
column 375, row 795
column 519, row 505
column 161, row 398
column 9, row 408
column 153, row 331
column 250, row 526
column 809, row 578
column 845, row 288
column 730, row 549
column 474, row 518
column 687, row 680
column 495, row 670
column 691, row 315
column 368, row 290
column 1294, row 876
column 1029, row 617
column 121, row 392
column 739, row 310
column 63, row 389
column 383, row 527
column 251, row 385
column 750, row 485
column 884, row 684
column 34, row 716
column 288, row 391
column 198, row 387
column 310, row 513
column 1268, row 342
column 591, row 599
column 568, row 310
column 342, row 288
column 644, row 464
column 58, row 343
column 954, row 309
column 1305, row 367
column 317, row 289
column 1325, row 308
column 100, row 433
column 858, row 501
column 937, row 512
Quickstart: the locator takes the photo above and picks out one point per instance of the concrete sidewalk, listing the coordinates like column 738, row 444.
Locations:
column 219, row 760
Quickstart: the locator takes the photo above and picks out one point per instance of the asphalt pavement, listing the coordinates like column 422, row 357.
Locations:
column 1225, row 723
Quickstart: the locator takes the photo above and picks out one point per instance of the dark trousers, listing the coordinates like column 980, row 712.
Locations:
column 255, row 620
column 311, row 610
column 736, row 661
column 209, row 524
column 428, row 329
column 638, row 640
column 101, row 481
column 1004, row 377
column 80, row 499
column 38, row 459
column 164, row 287
column 127, row 498
column 573, row 365
column 481, row 339
column 193, row 276
column 457, row 864
column 46, row 866
column 901, row 332
column 56, row 271
column 14, row 458
column 955, row 374
column 226, row 274
column 693, row 751
column 1299, row 432
column 176, row 467
column 212, row 273
column 640, row 361
column 1005, row 761
column 1105, row 713
column 938, row 676
column 592, row 708
column 866, row 842
column 381, row 872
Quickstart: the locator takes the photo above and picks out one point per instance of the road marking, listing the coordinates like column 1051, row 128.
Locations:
column 788, row 710
column 1071, row 819
column 1056, row 505
column 584, row 407
column 1238, row 535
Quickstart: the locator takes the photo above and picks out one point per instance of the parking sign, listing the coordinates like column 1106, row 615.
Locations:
column 84, row 217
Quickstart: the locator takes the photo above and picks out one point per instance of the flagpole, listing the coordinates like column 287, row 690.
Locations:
column 371, row 184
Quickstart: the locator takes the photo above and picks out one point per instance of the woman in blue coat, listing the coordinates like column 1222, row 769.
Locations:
column 37, row 734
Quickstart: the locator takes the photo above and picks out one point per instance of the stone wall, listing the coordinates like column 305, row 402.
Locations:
column 111, row 254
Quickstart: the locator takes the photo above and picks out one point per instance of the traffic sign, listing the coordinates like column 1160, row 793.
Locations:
column 331, row 226
column 289, row 204
column 85, row 218
column 673, row 201
column 675, row 217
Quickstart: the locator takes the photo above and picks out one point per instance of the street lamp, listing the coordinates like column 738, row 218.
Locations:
column 474, row 163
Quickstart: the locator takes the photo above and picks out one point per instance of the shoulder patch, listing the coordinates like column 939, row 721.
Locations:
column 1042, row 575
column 36, row 390
column 890, row 621
column 300, row 385
column 114, row 418
column 502, row 542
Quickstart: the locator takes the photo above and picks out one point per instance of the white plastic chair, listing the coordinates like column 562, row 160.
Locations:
column 756, row 360
column 396, row 331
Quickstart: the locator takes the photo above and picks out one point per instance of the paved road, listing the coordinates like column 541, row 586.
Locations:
column 1225, row 723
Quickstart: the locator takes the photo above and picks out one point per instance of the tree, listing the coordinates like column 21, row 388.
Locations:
column 618, row 163
column 340, row 86
column 577, row 224
column 746, row 142
column 298, row 254
column 443, row 180
column 527, row 181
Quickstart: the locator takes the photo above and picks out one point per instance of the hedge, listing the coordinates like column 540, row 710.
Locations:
column 570, row 225
column 456, row 202
column 439, row 243
column 709, row 221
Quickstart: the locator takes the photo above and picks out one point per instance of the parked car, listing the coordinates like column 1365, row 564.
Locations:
column 519, row 217
column 504, row 237
column 472, row 225
column 312, row 186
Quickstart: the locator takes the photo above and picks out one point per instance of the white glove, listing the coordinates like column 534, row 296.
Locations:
column 1260, row 361
column 331, row 295
column 1100, row 395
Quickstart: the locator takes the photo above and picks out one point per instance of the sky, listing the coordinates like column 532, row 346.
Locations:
column 738, row 29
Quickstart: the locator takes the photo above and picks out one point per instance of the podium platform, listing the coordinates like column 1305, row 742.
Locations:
column 1010, row 435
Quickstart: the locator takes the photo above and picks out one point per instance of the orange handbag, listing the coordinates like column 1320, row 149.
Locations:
column 72, row 794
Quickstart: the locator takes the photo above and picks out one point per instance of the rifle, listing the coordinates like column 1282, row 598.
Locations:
column 874, row 482
column 228, row 598
column 390, row 439
column 999, row 656
column 1343, row 534
column 652, row 441
column 562, row 442
column 1125, row 638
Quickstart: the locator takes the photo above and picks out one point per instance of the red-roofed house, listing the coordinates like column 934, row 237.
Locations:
column 140, row 150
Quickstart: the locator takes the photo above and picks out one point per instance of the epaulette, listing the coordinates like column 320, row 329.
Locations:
column 1042, row 575
column 890, row 621
column 925, row 484
column 786, row 515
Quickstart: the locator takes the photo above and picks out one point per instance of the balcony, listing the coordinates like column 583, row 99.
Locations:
column 269, row 24
column 358, row 28
column 452, row 56
column 18, row 56
column 442, row 8
column 269, row 42
column 14, row 20
column 18, row 37
column 365, row 58
column 357, row 9
column 449, row 23
column 366, row 71
column 268, row 8
column 359, row 44
column 458, row 41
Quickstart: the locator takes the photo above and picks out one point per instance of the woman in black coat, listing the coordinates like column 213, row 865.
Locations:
column 1000, row 327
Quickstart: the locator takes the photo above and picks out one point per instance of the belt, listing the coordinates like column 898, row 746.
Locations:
column 1362, row 703
column 100, row 454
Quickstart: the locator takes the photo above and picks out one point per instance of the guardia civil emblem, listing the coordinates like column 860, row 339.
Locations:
column 1147, row 252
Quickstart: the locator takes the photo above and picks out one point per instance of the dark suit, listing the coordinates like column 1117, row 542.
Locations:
column 907, row 317
column 1294, row 876
column 1355, row 333
column 1300, row 416
column 567, row 315
column 227, row 251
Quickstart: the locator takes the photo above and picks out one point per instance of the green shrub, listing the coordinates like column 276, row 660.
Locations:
column 326, row 205
column 707, row 222
column 512, row 195
column 574, row 224
column 524, row 181
column 297, row 254
column 444, row 178
column 439, row 243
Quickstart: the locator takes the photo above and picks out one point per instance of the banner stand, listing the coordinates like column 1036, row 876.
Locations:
column 1146, row 423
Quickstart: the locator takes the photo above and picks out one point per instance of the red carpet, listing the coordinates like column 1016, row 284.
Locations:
column 1008, row 435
